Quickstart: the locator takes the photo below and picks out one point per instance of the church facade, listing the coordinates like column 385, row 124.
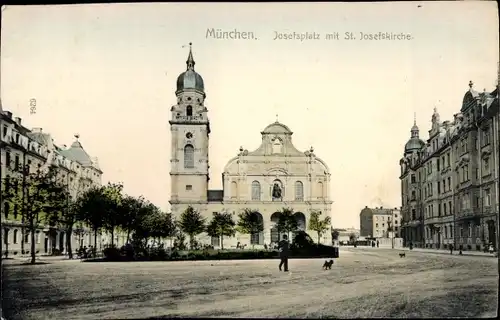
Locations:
column 274, row 176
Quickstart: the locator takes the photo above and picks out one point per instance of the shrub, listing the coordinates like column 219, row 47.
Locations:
column 158, row 254
column 128, row 251
column 112, row 253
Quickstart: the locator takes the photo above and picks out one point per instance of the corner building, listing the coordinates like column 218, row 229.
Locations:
column 449, row 184
column 35, row 149
column 274, row 176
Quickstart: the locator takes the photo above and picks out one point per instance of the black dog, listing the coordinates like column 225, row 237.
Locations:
column 328, row 265
column 401, row 255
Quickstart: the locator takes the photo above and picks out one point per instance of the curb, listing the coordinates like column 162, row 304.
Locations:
column 455, row 253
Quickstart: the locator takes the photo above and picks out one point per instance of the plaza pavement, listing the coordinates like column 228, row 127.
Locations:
column 364, row 282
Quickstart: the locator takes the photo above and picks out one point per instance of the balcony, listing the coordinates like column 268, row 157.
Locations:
column 197, row 118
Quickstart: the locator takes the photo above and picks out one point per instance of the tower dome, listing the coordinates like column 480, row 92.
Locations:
column 190, row 79
column 415, row 143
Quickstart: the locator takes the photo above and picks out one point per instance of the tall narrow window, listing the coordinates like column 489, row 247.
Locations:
column 14, row 240
column 234, row 189
column 6, row 236
column 6, row 209
column 299, row 191
column 189, row 111
column 487, row 198
column 255, row 190
column 188, row 156
column 215, row 241
column 7, row 159
column 320, row 190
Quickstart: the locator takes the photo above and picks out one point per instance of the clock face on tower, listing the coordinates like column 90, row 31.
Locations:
column 189, row 135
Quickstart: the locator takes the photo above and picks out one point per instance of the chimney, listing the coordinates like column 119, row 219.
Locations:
column 18, row 120
column 366, row 207
column 36, row 130
column 8, row 114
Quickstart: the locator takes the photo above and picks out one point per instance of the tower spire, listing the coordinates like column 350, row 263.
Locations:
column 190, row 61
column 414, row 129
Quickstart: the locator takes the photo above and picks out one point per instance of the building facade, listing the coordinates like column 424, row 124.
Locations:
column 449, row 183
column 34, row 149
column 274, row 176
column 344, row 235
column 380, row 222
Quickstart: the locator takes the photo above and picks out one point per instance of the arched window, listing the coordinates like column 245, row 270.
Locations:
column 188, row 156
column 189, row 111
column 15, row 236
column 255, row 190
column 234, row 189
column 299, row 191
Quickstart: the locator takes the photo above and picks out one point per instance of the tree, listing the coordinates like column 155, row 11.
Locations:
column 91, row 208
column 249, row 222
column 318, row 225
column 352, row 237
column 335, row 234
column 37, row 194
column 191, row 223
column 67, row 217
column 142, row 229
column 167, row 227
column 112, row 196
column 287, row 222
column 130, row 210
column 222, row 224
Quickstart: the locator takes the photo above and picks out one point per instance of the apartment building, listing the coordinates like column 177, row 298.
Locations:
column 380, row 222
column 449, row 183
column 31, row 149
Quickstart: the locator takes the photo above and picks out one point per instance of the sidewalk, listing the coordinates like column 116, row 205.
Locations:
column 435, row 251
column 455, row 252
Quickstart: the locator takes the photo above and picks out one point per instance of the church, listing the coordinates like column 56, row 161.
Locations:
column 274, row 176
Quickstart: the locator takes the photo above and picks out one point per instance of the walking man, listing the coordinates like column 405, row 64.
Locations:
column 283, row 248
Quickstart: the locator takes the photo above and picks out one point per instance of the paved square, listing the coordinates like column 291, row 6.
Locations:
column 362, row 283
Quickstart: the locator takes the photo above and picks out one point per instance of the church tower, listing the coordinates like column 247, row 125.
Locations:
column 190, row 129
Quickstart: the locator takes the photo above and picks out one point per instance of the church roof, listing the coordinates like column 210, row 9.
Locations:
column 277, row 127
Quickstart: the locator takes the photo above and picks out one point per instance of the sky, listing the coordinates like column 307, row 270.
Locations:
column 108, row 72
